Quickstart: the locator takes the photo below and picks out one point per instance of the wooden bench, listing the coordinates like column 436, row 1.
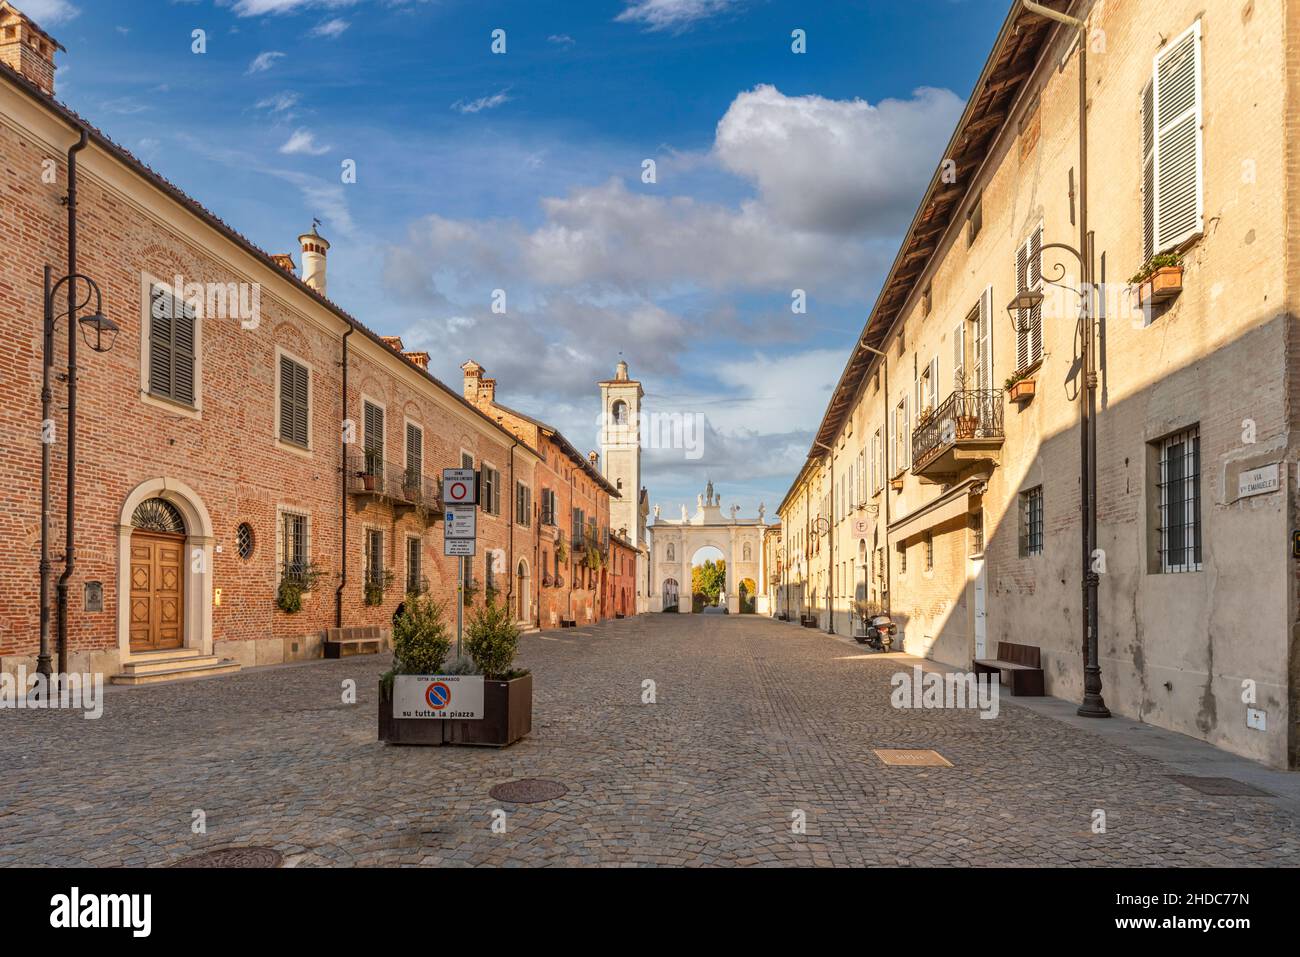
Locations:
column 1022, row 662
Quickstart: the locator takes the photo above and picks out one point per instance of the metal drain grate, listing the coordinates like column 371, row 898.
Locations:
column 912, row 759
column 528, row 791
column 256, row 857
column 1218, row 787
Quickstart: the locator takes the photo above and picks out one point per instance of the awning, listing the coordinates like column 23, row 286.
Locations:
column 953, row 503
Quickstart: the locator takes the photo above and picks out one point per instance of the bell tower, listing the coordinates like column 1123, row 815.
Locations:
column 620, row 451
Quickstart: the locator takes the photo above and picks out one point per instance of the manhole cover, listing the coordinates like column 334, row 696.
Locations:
column 528, row 791
column 1219, row 787
column 912, row 759
column 259, row 857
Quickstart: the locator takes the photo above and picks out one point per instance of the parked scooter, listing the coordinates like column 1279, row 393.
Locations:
column 880, row 633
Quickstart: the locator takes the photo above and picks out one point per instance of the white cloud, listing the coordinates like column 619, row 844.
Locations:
column 303, row 143
column 673, row 14
column 264, row 61
column 48, row 13
column 257, row 8
column 562, row 39
column 280, row 102
column 482, row 103
column 837, row 165
column 330, row 28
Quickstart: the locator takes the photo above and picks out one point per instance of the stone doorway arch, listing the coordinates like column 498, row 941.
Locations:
column 170, row 518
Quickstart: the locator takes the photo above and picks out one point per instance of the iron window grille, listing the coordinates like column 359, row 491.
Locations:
column 295, row 546
column 1031, row 522
column 929, row 552
column 375, row 557
column 244, row 541
column 1179, row 494
column 902, row 558
column 977, row 533
column 414, row 579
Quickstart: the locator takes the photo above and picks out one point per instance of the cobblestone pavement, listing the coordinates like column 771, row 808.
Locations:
column 754, row 721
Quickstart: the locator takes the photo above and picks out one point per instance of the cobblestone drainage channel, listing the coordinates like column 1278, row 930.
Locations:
column 257, row 857
column 528, row 791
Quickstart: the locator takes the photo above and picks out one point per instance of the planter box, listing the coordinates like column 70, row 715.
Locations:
column 1022, row 391
column 1163, row 284
column 507, row 717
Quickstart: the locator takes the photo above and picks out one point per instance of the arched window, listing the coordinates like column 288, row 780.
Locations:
column 619, row 412
column 158, row 515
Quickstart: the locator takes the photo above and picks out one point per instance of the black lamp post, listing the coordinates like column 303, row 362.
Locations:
column 95, row 329
column 1093, row 705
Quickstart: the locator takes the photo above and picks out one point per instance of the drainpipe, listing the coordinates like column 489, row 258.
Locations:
column 70, row 561
column 47, row 397
column 343, row 494
column 830, row 549
column 514, row 492
column 884, row 437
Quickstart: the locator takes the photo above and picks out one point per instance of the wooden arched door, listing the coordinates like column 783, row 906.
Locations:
column 157, row 600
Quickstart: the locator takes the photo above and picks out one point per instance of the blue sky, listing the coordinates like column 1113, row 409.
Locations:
column 522, row 171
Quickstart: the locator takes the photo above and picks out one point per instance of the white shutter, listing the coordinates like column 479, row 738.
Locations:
column 907, row 436
column 1022, row 318
column 984, row 343
column 934, row 383
column 1148, row 172
column 959, row 357
column 1179, row 196
column 1036, row 282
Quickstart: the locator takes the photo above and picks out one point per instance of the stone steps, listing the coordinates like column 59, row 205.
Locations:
column 185, row 663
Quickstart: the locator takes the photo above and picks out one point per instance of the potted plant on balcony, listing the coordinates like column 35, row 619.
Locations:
column 370, row 474
column 421, row 644
column 1020, row 386
column 968, row 422
column 1160, row 279
column 411, row 485
column 492, row 641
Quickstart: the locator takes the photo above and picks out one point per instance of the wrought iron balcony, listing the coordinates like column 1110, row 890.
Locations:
column 369, row 477
column 965, row 431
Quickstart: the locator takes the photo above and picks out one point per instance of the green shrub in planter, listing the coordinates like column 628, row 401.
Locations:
column 492, row 639
column 421, row 639
column 288, row 597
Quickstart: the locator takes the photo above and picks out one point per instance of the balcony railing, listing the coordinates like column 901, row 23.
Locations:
column 368, row 475
column 964, row 430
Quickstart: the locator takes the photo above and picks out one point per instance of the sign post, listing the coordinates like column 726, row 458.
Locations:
column 460, row 531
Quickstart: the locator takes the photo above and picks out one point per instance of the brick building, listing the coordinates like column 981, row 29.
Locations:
column 571, row 512
column 623, row 577
column 242, row 438
column 953, row 433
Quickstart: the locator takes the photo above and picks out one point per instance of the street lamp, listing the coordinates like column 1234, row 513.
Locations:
column 1093, row 705
column 99, row 326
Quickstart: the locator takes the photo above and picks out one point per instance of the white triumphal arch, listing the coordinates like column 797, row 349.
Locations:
column 676, row 541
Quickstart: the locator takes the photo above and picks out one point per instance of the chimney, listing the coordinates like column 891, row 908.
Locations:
column 314, row 248
column 421, row 359
column 26, row 48
column 594, row 458
column 393, row 342
column 487, row 390
column 285, row 262
column 473, row 372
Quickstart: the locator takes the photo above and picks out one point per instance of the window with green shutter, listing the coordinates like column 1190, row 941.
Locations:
column 374, row 438
column 414, row 451
column 172, row 338
column 293, row 402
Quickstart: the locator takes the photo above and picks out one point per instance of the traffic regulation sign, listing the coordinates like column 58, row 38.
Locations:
column 461, row 522
column 462, row 547
column 459, row 487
